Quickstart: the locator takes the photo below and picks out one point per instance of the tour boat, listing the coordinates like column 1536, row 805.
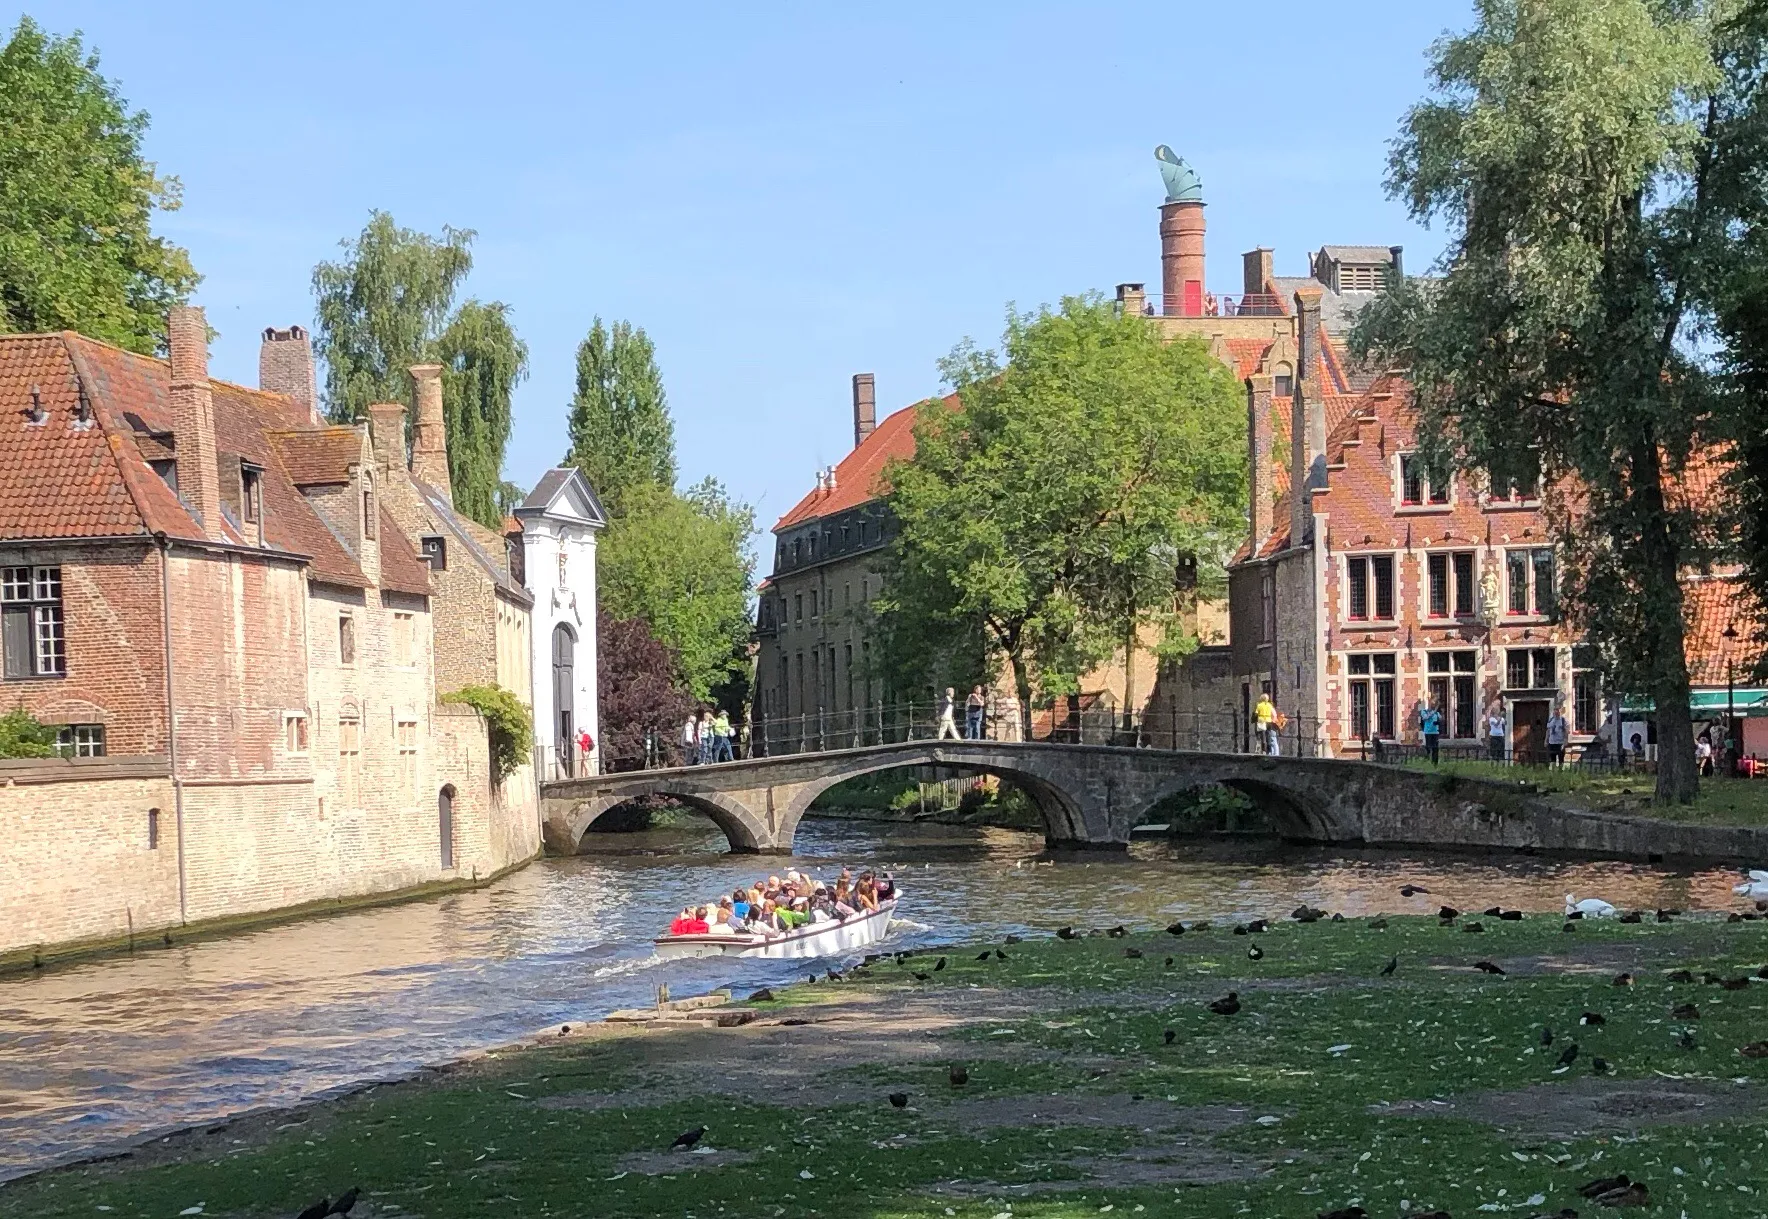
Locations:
column 810, row 940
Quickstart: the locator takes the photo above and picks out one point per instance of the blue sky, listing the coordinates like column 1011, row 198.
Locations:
column 781, row 197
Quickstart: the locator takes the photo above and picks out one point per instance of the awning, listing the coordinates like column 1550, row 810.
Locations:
column 1746, row 702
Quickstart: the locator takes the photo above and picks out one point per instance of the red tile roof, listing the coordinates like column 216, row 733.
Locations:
column 1711, row 605
column 858, row 475
column 1246, row 355
column 316, row 457
column 402, row 570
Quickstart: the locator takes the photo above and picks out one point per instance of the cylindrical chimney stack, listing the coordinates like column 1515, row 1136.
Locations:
column 429, row 433
column 1181, row 258
column 865, row 407
column 193, row 418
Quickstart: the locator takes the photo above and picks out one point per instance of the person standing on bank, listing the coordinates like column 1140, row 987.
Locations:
column 1430, row 723
column 1495, row 727
column 948, row 712
column 973, row 709
column 1557, row 732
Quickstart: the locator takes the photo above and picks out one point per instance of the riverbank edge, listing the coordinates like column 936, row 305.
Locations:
column 72, row 952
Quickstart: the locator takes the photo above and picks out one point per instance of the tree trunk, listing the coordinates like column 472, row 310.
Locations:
column 1022, row 692
column 1129, row 679
column 1660, row 570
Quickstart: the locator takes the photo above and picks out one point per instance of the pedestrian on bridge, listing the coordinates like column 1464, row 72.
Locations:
column 973, row 709
column 948, row 715
column 690, row 740
column 721, row 738
column 1264, row 717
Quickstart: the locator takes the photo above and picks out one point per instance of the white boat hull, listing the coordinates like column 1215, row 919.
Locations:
column 815, row 940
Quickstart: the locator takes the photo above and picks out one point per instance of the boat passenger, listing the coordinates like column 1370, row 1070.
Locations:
column 721, row 923
column 689, row 922
column 739, row 901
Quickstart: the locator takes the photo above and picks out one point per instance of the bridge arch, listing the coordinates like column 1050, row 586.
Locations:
column 745, row 833
column 1064, row 818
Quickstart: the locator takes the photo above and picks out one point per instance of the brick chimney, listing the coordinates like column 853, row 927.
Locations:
column 1181, row 258
column 429, row 434
column 1131, row 299
column 865, row 407
column 1258, row 465
column 1307, row 428
column 193, row 418
column 1255, row 271
column 285, row 366
column 386, row 421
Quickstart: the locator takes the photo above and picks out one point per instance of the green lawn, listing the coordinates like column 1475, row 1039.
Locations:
column 1333, row 1085
column 1721, row 801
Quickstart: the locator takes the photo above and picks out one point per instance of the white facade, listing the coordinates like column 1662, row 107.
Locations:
column 560, row 520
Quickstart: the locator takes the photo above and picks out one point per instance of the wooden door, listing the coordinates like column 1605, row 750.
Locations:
column 1528, row 730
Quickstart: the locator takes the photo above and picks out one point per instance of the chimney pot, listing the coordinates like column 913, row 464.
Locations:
column 865, row 407
column 193, row 418
column 285, row 366
column 1398, row 272
column 429, row 432
column 1256, row 271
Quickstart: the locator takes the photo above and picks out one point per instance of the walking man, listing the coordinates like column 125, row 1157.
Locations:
column 973, row 708
column 721, row 738
column 1264, row 718
column 1557, row 731
column 948, row 709
column 1495, row 727
column 1430, row 723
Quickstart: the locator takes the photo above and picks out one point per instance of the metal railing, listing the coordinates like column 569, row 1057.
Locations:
column 1215, row 304
column 1158, row 727
column 1591, row 759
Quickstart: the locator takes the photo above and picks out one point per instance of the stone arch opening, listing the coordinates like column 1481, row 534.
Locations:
column 1061, row 813
column 1282, row 810
column 736, row 822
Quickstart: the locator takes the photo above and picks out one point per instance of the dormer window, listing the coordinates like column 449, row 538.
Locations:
column 436, row 552
column 1283, row 382
column 167, row 469
column 1361, row 277
column 251, row 480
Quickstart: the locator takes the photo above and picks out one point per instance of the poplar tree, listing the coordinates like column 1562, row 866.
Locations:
column 1569, row 147
column 621, row 433
column 389, row 304
column 77, row 249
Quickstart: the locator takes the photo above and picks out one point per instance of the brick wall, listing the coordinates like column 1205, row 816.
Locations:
column 77, row 863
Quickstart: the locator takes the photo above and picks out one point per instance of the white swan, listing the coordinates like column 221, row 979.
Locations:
column 1590, row 907
column 1755, row 887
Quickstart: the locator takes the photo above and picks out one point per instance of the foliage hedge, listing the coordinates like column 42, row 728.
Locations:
column 510, row 722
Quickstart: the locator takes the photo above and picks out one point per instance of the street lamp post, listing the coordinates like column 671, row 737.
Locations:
column 1730, row 633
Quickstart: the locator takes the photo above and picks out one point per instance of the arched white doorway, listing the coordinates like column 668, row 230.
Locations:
column 564, row 651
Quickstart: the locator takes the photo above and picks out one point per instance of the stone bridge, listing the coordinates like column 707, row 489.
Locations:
column 1089, row 796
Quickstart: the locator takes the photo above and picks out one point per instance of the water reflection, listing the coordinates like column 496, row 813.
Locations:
column 98, row 1053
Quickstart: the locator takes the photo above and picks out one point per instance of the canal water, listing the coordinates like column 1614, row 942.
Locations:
column 96, row 1055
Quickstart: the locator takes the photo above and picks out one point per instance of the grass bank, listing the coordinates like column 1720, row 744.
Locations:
column 1098, row 1081
column 1721, row 801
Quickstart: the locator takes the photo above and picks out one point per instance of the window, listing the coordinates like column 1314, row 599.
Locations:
column 1267, row 597
column 31, row 622
column 1283, row 382
column 406, row 736
column 847, row 667
column 346, row 639
column 1531, row 579
column 349, row 756
column 1452, row 686
column 294, row 731
column 1531, row 668
column 813, row 605
column 1451, row 587
column 1508, row 489
column 816, row 676
column 1416, row 485
column 153, row 829
column 250, row 491
column 1372, row 695
column 797, row 551
column 812, row 547
column 1361, row 277
column 847, row 596
column 369, row 516
column 797, row 607
column 1586, row 689
column 167, row 469
column 80, row 741
column 404, row 635
column 436, row 551
column 1371, row 579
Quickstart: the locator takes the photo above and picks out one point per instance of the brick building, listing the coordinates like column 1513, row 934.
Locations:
column 204, row 589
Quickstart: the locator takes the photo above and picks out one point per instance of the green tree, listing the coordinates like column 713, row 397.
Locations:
column 389, row 304
column 681, row 562
column 21, row 736
column 77, row 250
column 482, row 360
column 1087, row 472
column 1567, row 147
column 621, row 433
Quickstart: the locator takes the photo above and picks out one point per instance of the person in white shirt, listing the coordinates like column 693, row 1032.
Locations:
column 690, row 740
column 1495, row 728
